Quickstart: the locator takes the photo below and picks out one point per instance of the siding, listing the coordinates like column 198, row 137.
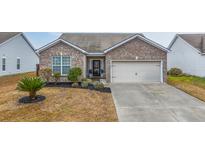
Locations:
column 18, row 47
column 187, row 58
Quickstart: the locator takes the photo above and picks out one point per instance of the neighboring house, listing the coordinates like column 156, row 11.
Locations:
column 17, row 55
column 187, row 52
column 116, row 57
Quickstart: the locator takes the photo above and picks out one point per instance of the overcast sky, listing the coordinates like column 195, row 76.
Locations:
column 39, row 39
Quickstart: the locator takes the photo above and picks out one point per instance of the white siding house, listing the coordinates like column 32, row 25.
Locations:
column 187, row 54
column 17, row 55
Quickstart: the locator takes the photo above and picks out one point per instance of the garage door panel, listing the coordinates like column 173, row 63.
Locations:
column 136, row 72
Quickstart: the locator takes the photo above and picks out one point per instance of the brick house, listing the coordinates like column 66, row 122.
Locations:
column 115, row 57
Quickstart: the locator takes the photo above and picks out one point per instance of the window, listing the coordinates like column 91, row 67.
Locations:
column 61, row 64
column 3, row 64
column 18, row 64
column 57, row 64
column 65, row 65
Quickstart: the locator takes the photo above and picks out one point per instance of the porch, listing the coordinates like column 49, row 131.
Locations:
column 95, row 67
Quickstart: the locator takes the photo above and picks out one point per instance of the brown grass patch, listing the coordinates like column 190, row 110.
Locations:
column 61, row 104
column 195, row 89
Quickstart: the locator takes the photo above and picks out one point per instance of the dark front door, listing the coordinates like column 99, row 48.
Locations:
column 96, row 67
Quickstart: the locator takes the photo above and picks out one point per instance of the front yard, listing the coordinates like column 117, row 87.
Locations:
column 61, row 104
column 192, row 85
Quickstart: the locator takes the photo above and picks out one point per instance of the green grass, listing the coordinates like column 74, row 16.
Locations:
column 192, row 85
column 194, row 80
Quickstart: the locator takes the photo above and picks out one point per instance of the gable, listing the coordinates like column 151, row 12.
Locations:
column 95, row 42
column 180, row 42
column 137, row 47
column 59, row 48
column 144, row 39
column 50, row 45
column 196, row 41
column 18, row 47
column 193, row 39
column 141, row 37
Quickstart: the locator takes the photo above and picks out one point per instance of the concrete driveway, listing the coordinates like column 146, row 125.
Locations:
column 155, row 102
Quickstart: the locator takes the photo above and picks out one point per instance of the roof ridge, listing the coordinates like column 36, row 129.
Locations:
column 96, row 41
column 107, row 49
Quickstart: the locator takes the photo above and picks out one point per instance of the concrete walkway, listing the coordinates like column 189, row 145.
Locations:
column 155, row 103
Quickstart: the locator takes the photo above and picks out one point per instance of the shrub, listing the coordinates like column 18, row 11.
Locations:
column 46, row 74
column 87, row 80
column 84, row 84
column 187, row 75
column 57, row 77
column 84, row 79
column 74, row 74
column 75, row 85
column 31, row 85
column 175, row 72
column 98, row 85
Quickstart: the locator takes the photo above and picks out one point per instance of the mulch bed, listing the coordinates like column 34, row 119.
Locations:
column 27, row 99
column 69, row 85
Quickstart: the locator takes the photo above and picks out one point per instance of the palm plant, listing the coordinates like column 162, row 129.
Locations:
column 31, row 85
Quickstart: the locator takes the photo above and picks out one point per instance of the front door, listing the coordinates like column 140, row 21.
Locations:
column 96, row 67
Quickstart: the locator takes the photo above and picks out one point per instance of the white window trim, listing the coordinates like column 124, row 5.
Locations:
column 64, row 65
column 2, row 64
column 61, row 65
column 17, row 64
column 52, row 62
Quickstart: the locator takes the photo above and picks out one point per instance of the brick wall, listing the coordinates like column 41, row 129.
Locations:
column 141, row 49
column 78, row 59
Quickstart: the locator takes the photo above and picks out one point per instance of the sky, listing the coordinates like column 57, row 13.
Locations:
column 39, row 39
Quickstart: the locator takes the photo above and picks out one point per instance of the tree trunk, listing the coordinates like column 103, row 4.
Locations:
column 32, row 94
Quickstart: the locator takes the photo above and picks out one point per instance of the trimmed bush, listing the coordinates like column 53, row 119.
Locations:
column 187, row 75
column 98, row 85
column 175, row 72
column 46, row 74
column 87, row 80
column 31, row 85
column 84, row 84
column 74, row 74
column 75, row 85
column 56, row 77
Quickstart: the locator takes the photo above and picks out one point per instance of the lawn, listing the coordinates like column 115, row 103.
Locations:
column 192, row 85
column 61, row 104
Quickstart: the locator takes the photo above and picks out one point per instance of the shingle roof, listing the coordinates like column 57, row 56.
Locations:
column 7, row 35
column 95, row 42
column 196, row 40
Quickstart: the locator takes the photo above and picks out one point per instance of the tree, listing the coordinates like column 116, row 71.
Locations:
column 31, row 85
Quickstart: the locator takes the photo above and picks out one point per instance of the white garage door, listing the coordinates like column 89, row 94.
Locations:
column 133, row 71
